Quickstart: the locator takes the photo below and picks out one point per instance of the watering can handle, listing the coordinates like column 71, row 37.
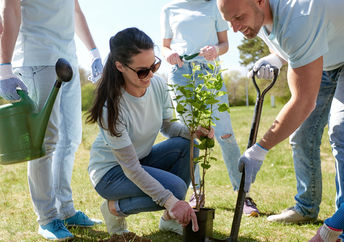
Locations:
column 63, row 70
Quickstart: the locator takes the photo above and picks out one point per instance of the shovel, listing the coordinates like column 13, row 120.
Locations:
column 252, row 140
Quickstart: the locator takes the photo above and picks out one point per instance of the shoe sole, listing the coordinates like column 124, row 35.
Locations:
column 253, row 214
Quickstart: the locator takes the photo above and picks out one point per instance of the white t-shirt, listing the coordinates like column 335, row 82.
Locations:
column 304, row 30
column 191, row 24
column 46, row 33
column 141, row 120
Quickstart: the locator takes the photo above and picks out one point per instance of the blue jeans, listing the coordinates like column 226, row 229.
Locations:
column 306, row 142
column 50, row 176
column 168, row 163
column 223, row 127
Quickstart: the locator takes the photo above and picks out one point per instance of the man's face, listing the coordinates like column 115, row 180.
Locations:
column 244, row 15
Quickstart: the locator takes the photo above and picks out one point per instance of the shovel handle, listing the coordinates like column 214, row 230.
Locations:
column 63, row 70
column 259, row 106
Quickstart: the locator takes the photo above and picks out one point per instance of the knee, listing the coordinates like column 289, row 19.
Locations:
column 178, row 188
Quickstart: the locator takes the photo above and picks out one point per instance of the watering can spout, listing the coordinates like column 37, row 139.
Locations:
column 39, row 121
column 25, row 129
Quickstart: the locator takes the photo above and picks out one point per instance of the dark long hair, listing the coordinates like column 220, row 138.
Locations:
column 123, row 46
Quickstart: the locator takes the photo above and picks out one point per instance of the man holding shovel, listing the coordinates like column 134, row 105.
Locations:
column 309, row 35
column 36, row 33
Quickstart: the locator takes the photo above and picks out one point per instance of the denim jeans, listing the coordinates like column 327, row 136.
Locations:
column 50, row 176
column 223, row 127
column 168, row 163
column 306, row 142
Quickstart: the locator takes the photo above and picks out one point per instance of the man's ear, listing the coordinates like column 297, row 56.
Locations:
column 119, row 66
column 261, row 3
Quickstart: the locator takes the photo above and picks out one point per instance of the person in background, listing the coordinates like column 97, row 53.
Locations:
column 126, row 168
column 35, row 35
column 196, row 26
column 332, row 228
column 314, row 57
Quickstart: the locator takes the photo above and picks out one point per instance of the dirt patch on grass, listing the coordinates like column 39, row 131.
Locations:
column 127, row 237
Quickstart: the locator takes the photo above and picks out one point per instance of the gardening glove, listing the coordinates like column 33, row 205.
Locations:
column 209, row 52
column 252, row 159
column 326, row 234
column 97, row 66
column 181, row 211
column 174, row 59
column 265, row 65
column 9, row 83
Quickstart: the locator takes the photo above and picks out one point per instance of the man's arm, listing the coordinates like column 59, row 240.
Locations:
column 81, row 28
column 304, row 83
column 11, row 19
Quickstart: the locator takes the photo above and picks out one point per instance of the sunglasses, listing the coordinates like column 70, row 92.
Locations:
column 143, row 73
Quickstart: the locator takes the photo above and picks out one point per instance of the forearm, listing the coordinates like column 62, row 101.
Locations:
column 223, row 48
column 173, row 129
column 11, row 24
column 81, row 28
column 288, row 120
column 133, row 170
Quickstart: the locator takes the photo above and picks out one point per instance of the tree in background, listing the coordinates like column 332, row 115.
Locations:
column 252, row 50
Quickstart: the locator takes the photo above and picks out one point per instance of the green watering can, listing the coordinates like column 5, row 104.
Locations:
column 22, row 130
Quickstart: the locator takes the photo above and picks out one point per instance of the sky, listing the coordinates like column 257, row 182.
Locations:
column 106, row 17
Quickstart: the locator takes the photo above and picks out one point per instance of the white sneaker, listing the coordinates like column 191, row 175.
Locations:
column 170, row 225
column 114, row 224
column 289, row 216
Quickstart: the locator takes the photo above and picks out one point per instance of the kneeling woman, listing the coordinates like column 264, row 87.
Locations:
column 131, row 106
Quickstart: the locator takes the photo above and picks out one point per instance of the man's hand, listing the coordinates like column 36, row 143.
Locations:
column 9, row 83
column 97, row 66
column 264, row 66
column 252, row 160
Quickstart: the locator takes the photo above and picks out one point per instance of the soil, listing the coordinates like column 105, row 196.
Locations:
column 126, row 237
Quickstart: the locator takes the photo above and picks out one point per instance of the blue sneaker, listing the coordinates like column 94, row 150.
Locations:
column 81, row 220
column 55, row 230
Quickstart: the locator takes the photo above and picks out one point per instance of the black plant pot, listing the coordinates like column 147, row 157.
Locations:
column 205, row 219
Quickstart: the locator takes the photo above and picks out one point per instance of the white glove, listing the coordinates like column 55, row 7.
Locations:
column 97, row 66
column 9, row 83
column 252, row 160
column 264, row 66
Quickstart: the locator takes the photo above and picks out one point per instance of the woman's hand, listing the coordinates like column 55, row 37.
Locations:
column 183, row 213
column 201, row 131
column 174, row 59
column 209, row 52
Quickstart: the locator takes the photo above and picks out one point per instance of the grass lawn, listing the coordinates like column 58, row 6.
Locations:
column 273, row 191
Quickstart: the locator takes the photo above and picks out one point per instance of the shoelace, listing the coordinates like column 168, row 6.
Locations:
column 58, row 224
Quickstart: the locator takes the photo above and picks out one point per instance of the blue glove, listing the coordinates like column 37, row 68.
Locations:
column 97, row 66
column 9, row 83
column 252, row 160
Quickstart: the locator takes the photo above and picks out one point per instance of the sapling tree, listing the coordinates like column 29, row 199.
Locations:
column 195, row 103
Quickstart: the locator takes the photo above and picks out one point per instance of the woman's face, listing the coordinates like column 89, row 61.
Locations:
column 133, row 84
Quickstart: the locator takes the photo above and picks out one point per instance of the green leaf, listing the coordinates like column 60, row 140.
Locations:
column 223, row 108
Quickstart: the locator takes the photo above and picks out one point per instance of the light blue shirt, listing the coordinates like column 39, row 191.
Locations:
column 141, row 120
column 46, row 33
column 304, row 30
column 191, row 24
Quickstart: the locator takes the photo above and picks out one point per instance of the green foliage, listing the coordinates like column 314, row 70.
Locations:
column 196, row 102
column 87, row 94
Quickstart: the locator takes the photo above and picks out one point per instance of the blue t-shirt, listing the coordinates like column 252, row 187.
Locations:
column 46, row 33
column 191, row 24
column 141, row 120
column 304, row 30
